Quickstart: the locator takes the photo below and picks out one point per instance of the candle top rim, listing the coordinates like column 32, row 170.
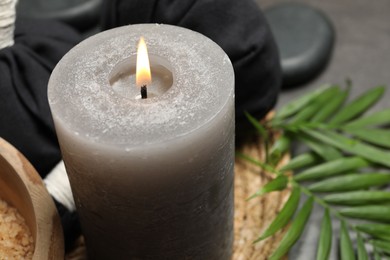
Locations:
column 83, row 103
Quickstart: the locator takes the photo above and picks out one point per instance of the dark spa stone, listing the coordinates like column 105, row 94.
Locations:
column 304, row 36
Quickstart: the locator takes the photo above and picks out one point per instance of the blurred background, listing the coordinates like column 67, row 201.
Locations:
column 360, row 50
column 357, row 47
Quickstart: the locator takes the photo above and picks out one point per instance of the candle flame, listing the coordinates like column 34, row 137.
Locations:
column 143, row 75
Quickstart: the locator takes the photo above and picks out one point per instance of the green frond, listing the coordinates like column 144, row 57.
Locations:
column 352, row 146
column 347, row 157
column 379, row 118
column 328, row 153
column 295, row 230
column 325, row 240
column 279, row 183
column 297, row 104
column 332, row 168
column 380, row 213
column 284, row 216
column 300, row 161
column 358, row 106
column 346, row 247
column 362, row 252
column 378, row 137
column 361, row 197
column 331, row 106
column 311, row 109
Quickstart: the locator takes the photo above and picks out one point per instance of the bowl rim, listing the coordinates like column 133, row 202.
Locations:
column 49, row 240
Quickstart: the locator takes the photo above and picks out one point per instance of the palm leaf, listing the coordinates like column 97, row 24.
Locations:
column 259, row 127
column 300, row 161
column 383, row 237
column 380, row 231
column 294, row 231
column 331, row 106
column 332, row 168
column 279, row 183
column 362, row 252
column 262, row 165
column 379, row 213
column 296, row 105
column 279, row 147
column 350, row 182
column 328, row 153
column 338, row 151
column 383, row 246
column 380, row 137
column 352, row 146
column 358, row 197
column 358, row 106
column 375, row 119
column 284, row 215
column 374, row 229
column 307, row 112
column 325, row 241
column 346, row 248
column 376, row 255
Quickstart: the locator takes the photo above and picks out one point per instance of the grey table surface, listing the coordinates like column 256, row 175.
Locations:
column 361, row 53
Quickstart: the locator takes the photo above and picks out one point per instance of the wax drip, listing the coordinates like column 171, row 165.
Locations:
column 7, row 22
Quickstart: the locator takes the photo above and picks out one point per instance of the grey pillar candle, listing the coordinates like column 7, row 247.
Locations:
column 152, row 178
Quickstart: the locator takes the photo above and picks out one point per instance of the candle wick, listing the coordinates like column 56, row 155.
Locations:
column 144, row 92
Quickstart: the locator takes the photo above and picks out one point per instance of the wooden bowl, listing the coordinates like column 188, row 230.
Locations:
column 22, row 187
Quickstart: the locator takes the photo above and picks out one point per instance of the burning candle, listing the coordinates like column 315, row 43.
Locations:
column 152, row 177
column 143, row 75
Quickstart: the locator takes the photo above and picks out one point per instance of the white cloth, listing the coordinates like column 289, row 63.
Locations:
column 7, row 22
column 57, row 183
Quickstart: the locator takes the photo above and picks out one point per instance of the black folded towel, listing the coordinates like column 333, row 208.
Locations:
column 238, row 27
column 25, row 67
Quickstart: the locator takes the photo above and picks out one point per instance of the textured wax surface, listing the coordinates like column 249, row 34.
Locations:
column 81, row 97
